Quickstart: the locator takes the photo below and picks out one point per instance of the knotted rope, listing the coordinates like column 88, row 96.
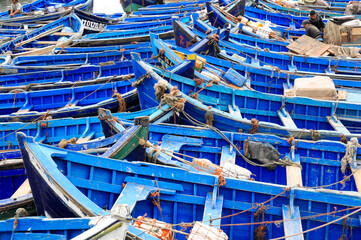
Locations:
column 121, row 101
column 63, row 143
column 173, row 99
column 351, row 147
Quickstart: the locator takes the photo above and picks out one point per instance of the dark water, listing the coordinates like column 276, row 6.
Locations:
column 5, row 4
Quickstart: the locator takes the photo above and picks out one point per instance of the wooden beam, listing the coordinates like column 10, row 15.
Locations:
column 24, row 189
column 64, row 34
column 51, row 31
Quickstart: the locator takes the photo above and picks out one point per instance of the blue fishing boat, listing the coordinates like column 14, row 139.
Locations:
column 34, row 227
column 11, row 179
column 283, row 61
column 64, row 228
column 53, row 131
column 50, row 62
column 93, row 23
column 179, row 190
column 14, row 190
column 257, row 79
column 43, row 4
column 148, row 18
column 23, row 197
column 170, row 5
column 281, row 115
column 273, row 45
column 121, row 37
column 40, row 41
column 220, row 18
column 69, row 50
column 300, row 12
column 190, row 143
column 201, row 142
column 133, row 5
column 139, row 25
column 34, row 21
column 172, row 10
column 27, row 81
column 66, row 102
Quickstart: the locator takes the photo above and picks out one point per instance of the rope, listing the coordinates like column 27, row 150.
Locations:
column 110, row 79
column 292, row 219
column 173, row 99
column 254, row 128
column 63, row 143
column 321, row 226
column 160, row 54
column 15, row 92
column 192, row 41
column 315, row 135
column 254, row 206
column 349, row 155
column 35, row 120
column 121, row 101
column 283, row 162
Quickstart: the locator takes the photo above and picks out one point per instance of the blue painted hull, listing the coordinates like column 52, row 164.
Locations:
column 54, row 130
column 121, row 37
column 18, row 44
column 265, row 79
column 168, row 11
column 306, row 113
column 217, row 19
column 10, row 181
column 93, row 23
column 133, row 5
column 303, row 12
column 321, row 161
column 187, row 202
column 65, row 101
column 56, row 229
column 29, row 64
column 68, row 228
column 84, row 74
column 262, row 58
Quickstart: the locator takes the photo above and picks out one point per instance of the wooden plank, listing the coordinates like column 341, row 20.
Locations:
column 24, row 189
column 301, row 45
column 51, row 31
column 86, row 138
column 64, row 34
column 294, row 173
column 342, row 95
column 286, row 118
column 47, row 42
column 308, row 46
column 356, row 31
column 338, row 126
column 325, row 53
column 318, row 49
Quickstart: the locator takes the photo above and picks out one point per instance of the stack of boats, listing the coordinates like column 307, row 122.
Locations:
column 176, row 120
